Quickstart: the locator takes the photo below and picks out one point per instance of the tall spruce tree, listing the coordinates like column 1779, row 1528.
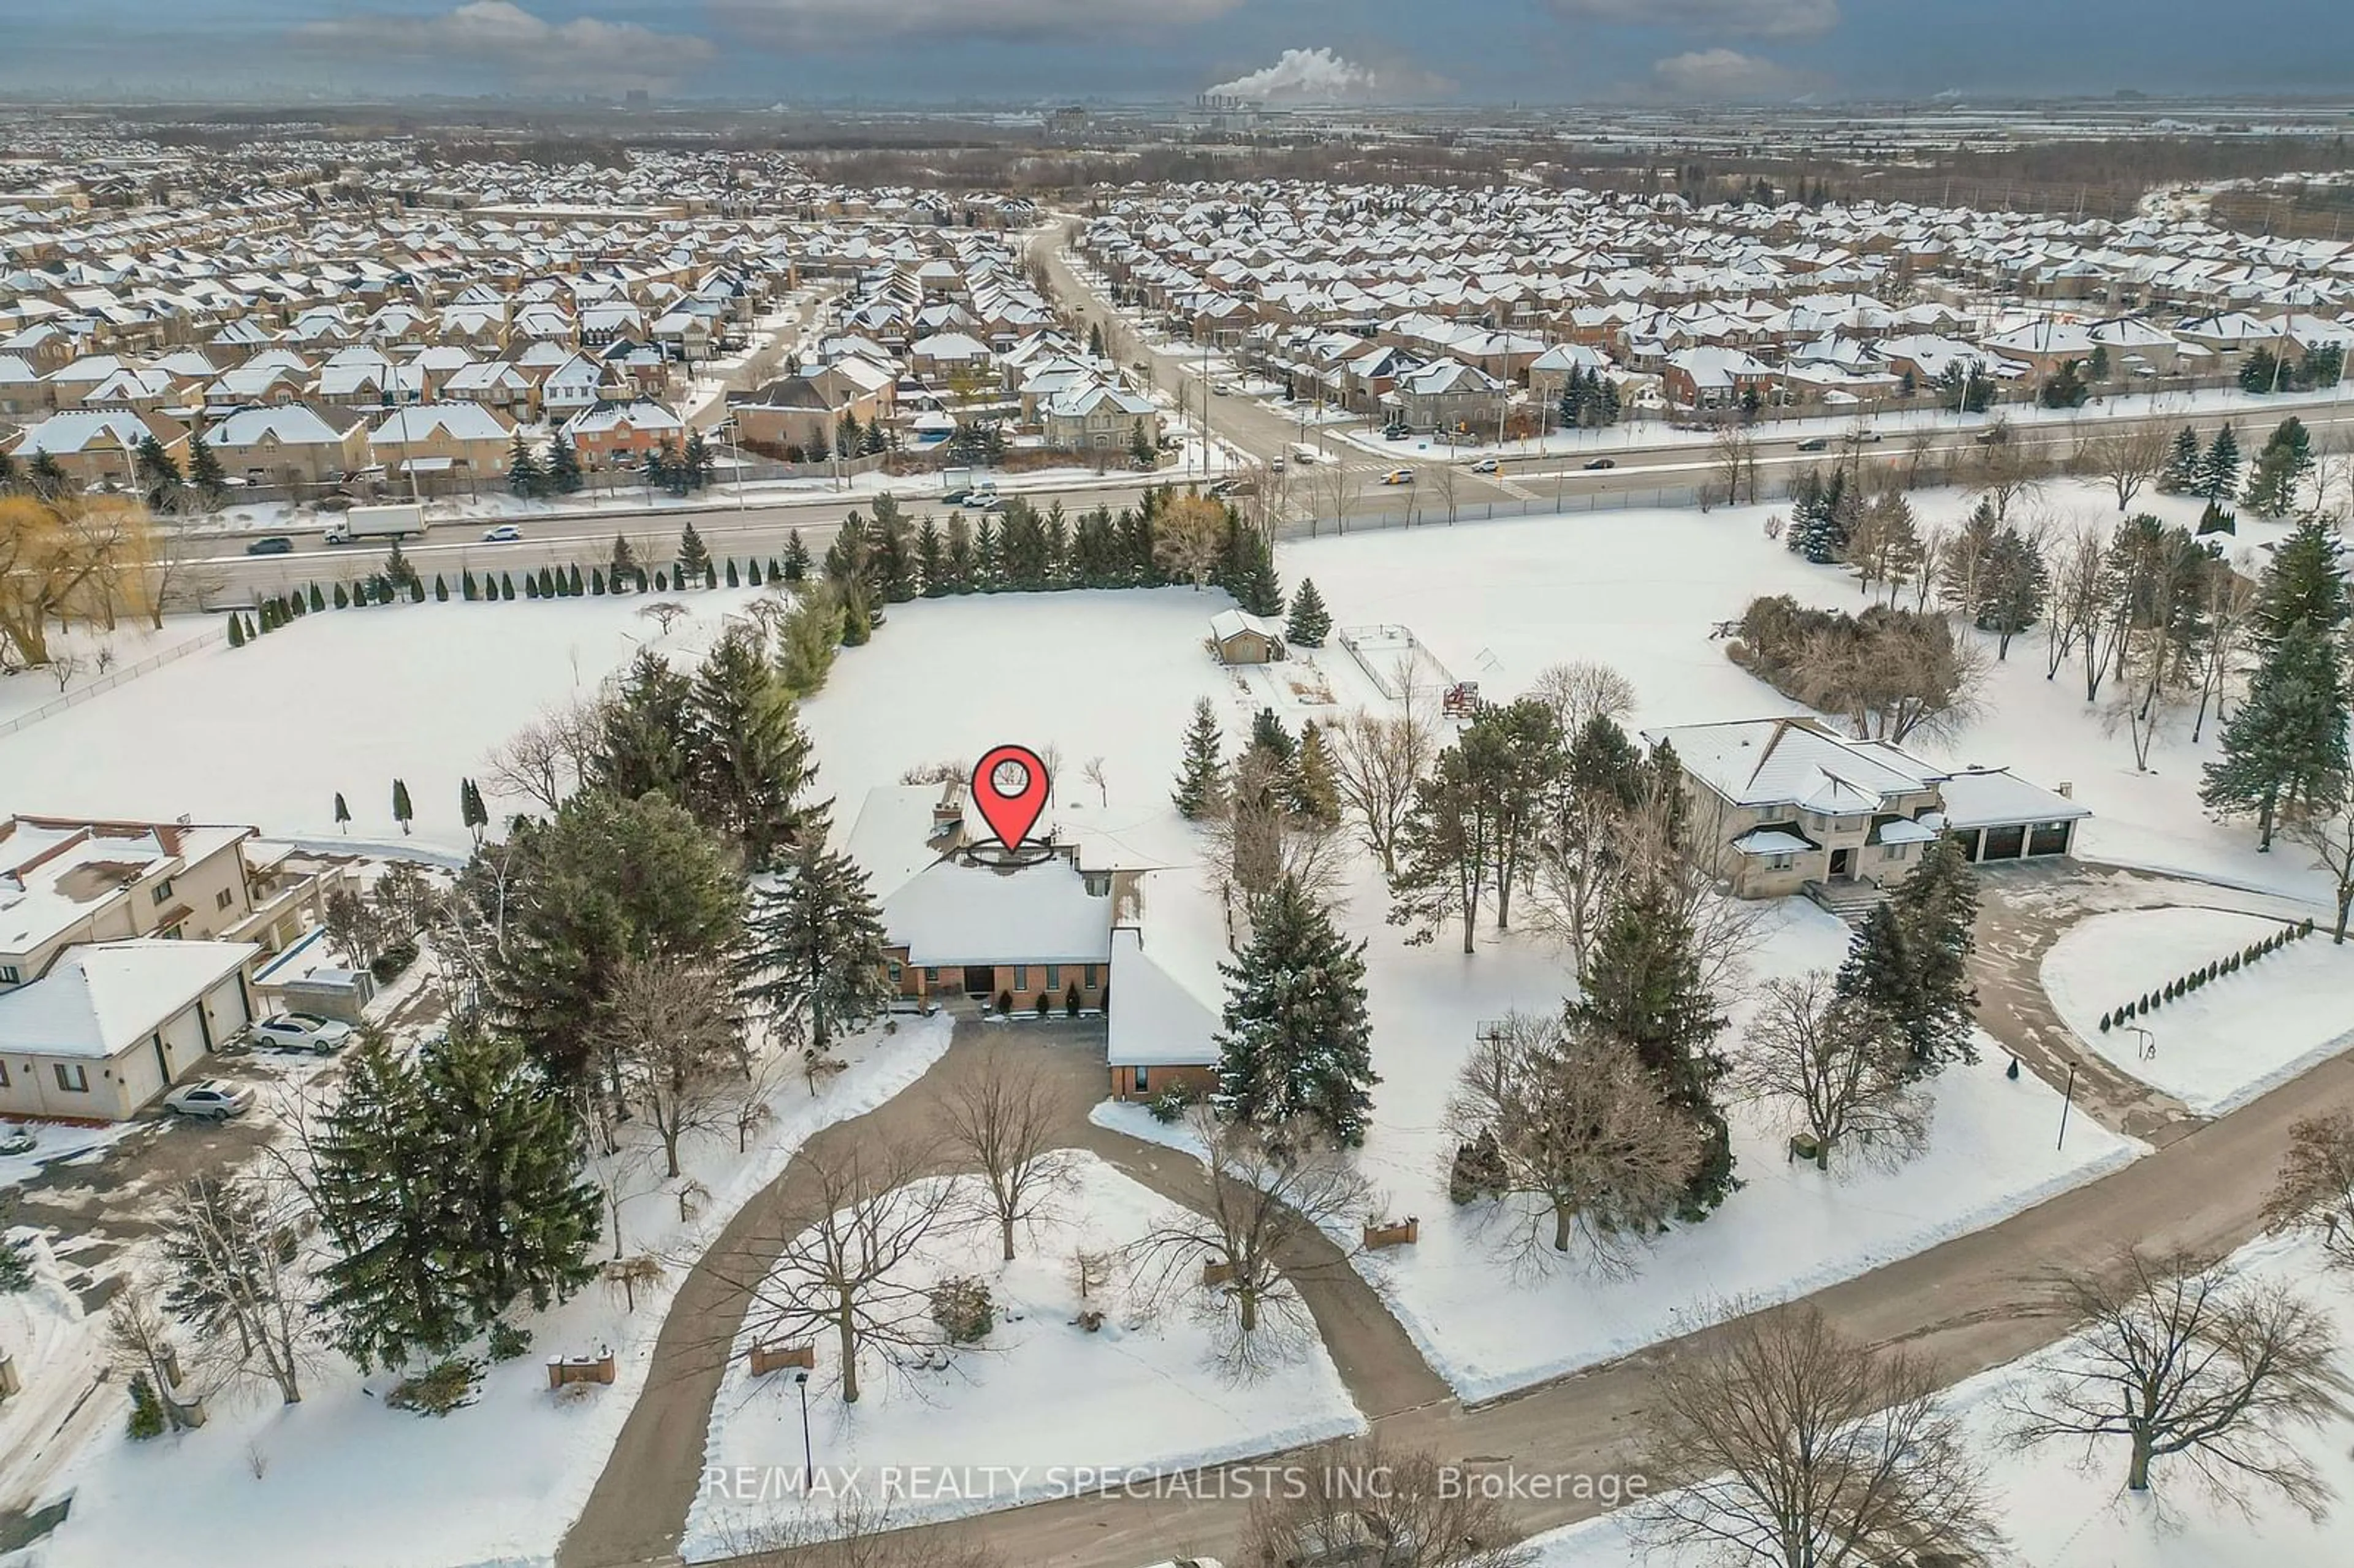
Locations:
column 524, row 475
column 606, row 878
column 563, row 477
column 694, row 557
column 204, row 469
column 641, row 736
column 2012, row 589
column 796, row 563
column 815, row 945
column 1310, row 622
column 1643, row 987
column 1202, row 776
column 2280, row 469
column 1295, row 1050
column 2285, row 749
column 2218, row 477
column 624, row 572
column 1909, row 962
column 748, row 759
column 2181, row 470
column 1445, row 851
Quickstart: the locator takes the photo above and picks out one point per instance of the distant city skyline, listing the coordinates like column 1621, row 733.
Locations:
column 1284, row 51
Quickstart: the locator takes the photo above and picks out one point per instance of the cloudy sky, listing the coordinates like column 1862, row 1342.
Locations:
column 814, row 51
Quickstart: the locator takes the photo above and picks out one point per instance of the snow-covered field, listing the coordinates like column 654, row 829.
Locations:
column 2223, row 1045
column 2058, row 1511
column 1013, row 1419
column 92, row 660
column 497, row 1482
column 337, row 702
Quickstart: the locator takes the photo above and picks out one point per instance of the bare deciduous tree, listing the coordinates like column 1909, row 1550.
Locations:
column 1581, row 691
column 2002, row 469
column 2126, row 457
column 844, row 1262
column 672, row 1047
column 2328, row 832
column 1260, row 837
column 2187, row 1360
column 1005, row 1122
column 1448, row 481
column 2072, row 614
column 1261, row 1217
column 1586, row 1151
column 1889, row 686
column 1335, row 483
column 1357, row 1501
column 1377, row 758
column 1810, row 1451
column 542, row 761
column 1838, row 1072
column 1187, row 537
column 239, row 1279
column 1733, row 457
column 139, row 1342
column 1094, row 774
column 2315, row 1189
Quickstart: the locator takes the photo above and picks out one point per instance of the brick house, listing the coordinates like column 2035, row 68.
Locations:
column 620, row 435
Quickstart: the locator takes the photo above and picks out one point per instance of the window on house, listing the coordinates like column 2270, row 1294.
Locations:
column 8, row 974
column 170, row 933
column 1092, row 971
column 1779, row 862
column 4, row 1074
column 931, row 974
column 1098, row 883
column 224, row 898
column 1141, row 1084
column 1021, row 977
column 1054, row 977
column 162, row 890
column 72, row 1076
column 896, row 971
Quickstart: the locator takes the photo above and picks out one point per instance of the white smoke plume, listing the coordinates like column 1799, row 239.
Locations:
column 1307, row 76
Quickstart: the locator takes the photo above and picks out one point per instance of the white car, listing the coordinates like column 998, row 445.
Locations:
column 1486, row 465
column 1398, row 476
column 209, row 1099
column 504, row 534
column 303, row 1031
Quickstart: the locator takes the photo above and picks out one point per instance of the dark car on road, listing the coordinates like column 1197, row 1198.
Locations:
column 1815, row 445
column 1602, row 463
column 274, row 545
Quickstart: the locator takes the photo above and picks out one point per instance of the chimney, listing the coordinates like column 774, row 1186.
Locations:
column 2065, row 790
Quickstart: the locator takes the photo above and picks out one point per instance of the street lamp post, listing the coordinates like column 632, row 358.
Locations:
column 2067, row 1098
column 808, row 1460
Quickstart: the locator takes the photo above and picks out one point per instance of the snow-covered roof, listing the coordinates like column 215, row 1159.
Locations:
column 1164, row 968
column 103, row 998
column 958, row 912
column 893, row 835
column 1996, row 797
column 1794, row 762
column 1232, row 622
column 1771, row 841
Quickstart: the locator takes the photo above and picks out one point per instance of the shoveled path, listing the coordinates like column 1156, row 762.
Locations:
column 638, row 1511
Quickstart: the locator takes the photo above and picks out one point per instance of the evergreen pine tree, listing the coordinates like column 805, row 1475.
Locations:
column 1201, row 778
column 857, row 617
column 796, row 564
column 16, row 1267
column 2181, row 470
column 1314, row 792
column 814, row 944
column 2282, row 466
column 748, row 759
column 343, row 813
column 1909, row 963
column 1140, row 454
column 524, row 475
column 694, row 557
column 205, row 467
column 468, row 589
column 960, row 565
column 734, row 578
column 1310, row 621
column 2218, row 477
column 2285, row 749
column 1643, row 987
column 752, row 571
column 932, row 559
column 563, row 472
column 624, row 569
column 440, row 590
column 1295, row 1049
column 401, row 811
column 318, row 601
column 572, row 580
column 988, row 557
column 236, row 632
column 343, row 598
column 698, row 461
column 471, row 811
column 506, row 588
column 596, row 581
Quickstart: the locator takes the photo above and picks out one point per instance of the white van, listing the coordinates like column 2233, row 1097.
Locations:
column 1302, row 452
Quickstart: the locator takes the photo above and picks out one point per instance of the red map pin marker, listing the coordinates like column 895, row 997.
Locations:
column 1009, row 785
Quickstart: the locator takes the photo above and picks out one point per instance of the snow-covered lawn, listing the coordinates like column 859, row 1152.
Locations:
column 337, row 702
column 1496, row 602
column 44, row 1333
column 1010, row 1420
column 94, row 660
column 2223, row 1045
column 2058, row 1512
column 360, row 1486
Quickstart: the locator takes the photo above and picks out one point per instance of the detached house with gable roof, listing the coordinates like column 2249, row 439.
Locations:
column 1787, row 805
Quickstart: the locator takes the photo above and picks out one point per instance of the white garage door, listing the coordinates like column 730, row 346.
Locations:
column 184, row 1043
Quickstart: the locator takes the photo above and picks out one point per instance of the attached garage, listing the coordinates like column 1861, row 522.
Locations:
column 1998, row 817
column 112, row 1024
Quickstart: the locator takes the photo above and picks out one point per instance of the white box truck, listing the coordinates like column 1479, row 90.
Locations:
column 1302, row 452
column 366, row 523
